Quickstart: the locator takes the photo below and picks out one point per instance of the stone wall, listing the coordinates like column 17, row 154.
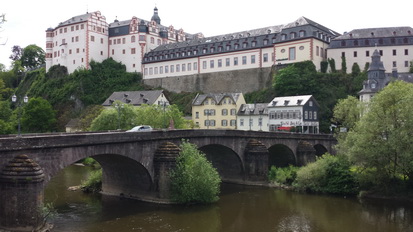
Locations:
column 245, row 81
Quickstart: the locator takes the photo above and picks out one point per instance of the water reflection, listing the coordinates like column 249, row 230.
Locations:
column 240, row 208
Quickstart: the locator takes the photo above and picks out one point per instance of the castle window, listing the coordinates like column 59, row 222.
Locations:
column 227, row 62
column 254, row 43
column 265, row 57
column 211, row 65
column 228, row 47
column 406, row 52
column 204, row 64
column 293, row 35
column 252, row 59
column 367, row 42
column 355, row 54
column 244, row 60
column 394, row 52
column 343, row 43
column 132, row 39
column 301, row 34
column 292, row 53
column 283, row 37
column 235, row 61
column 265, row 41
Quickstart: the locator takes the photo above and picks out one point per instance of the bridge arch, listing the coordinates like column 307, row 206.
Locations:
column 225, row 160
column 320, row 150
column 124, row 176
column 281, row 155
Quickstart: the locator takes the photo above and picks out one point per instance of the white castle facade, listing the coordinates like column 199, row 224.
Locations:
column 158, row 51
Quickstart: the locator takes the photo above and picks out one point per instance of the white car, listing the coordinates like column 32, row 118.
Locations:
column 140, row 128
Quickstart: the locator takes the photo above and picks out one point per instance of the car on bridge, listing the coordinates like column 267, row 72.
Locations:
column 140, row 128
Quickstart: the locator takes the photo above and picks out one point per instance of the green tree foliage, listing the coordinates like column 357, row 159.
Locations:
column 130, row 116
column 381, row 142
column 88, row 115
column 93, row 184
column 332, row 64
column 347, row 112
column 284, row 175
column 123, row 117
column 17, row 52
column 329, row 174
column 355, row 70
column 324, row 66
column 38, row 116
column 32, row 56
column 411, row 67
column 194, row 179
column 343, row 65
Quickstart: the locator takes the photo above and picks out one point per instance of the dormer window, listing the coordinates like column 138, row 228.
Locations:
column 299, row 101
column 373, row 85
column 286, row 102
column 274, row 103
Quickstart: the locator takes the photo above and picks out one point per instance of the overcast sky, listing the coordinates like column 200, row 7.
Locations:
column 27, row 20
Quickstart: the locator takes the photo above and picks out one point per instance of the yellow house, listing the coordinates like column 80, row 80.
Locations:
column 216, row 110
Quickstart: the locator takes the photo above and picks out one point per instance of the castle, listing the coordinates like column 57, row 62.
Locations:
column 160, row 52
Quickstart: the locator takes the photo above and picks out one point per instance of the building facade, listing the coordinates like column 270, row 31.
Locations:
column 216, row 110
column 394, row 44
column 298, row 41
column 81, row 39
column 253, row 117
column 298, row 112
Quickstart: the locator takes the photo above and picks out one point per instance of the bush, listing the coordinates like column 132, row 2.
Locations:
column 329, row 174
column 94, row 183
column 194, row 179
column 284, row 175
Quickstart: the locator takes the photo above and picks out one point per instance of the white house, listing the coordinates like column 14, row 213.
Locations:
column 253, row 117
column 294, row 112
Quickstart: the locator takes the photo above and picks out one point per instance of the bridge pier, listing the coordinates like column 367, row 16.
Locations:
column 256, row 161
column 164, row 162
column 21, row 187
column 306, row 153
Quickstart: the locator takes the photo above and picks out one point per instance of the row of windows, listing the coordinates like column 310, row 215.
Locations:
column 251, row 122
column 224, row 122
column 73, row 28
column 394, row 53
column 368, row 42
column 224, row 101
column 171, row 68
column 219, row 63
column 293, row 115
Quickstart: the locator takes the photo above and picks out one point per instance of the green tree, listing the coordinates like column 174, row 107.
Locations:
column 381, row 142
column 347, row 112
column 343, row 65
column 324, row 66
column 38, row 116
column 355, row 70
column 88, row 115
column 329, row 174
column 32, row 56
column 332, row 64
column 194, row 179
column 122, row 117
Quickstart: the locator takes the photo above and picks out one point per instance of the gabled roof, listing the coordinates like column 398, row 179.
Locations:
column 377, row 33
column 253, row 109
column 217, row 97
column 135, row 98
column 76, row 19
column 245, row 34
column 291, row 101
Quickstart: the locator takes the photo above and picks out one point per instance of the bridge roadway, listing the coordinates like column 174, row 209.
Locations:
column 136, row 164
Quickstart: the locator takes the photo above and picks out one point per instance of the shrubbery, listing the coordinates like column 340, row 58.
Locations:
column 194, row 180
column 329, row 174
column 284, row 175
column 94, row 183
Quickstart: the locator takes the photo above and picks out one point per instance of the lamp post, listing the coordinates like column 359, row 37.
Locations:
column 164, row 103
column 19, row 104
column 118, row 108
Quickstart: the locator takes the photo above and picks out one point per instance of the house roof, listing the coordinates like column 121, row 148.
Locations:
column 135, row 98
column 218, row 97
column 377, row 32
column 291, row 101
column 76, row 19
column 302, row 21
column 253, row 109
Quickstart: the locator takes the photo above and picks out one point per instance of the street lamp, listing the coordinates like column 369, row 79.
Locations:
column 118, row 108
column 19, row 104
column 164, row 103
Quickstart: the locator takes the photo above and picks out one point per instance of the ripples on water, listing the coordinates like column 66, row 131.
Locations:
column 240, row 209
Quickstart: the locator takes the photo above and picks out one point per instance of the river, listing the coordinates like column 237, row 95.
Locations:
column 240, row 209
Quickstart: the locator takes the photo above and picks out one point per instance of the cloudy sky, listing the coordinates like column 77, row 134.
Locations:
column 27, row 20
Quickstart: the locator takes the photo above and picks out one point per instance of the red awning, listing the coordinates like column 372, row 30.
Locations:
column 284, row 128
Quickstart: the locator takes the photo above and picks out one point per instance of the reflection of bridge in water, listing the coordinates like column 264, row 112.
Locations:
column 137, row 164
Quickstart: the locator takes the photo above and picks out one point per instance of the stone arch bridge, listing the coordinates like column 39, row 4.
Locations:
column 137, row 164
